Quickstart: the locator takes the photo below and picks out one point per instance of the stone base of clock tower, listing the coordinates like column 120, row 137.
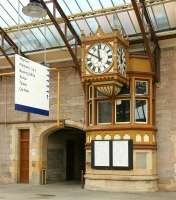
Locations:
column 143, row 176
column 121, row 183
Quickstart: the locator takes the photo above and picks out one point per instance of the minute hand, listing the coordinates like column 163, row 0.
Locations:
column 93, row 55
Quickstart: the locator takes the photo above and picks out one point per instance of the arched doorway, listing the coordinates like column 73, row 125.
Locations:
column 65, row 155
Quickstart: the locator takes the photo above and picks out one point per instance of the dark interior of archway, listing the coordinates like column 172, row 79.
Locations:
column 65, row 155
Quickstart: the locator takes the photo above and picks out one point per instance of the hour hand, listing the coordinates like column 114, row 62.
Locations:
column 93, row 55
column 98, row 53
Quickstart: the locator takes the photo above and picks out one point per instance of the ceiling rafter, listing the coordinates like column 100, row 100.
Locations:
column 7, row 57
column 66, row 20
column 156, row 52
column 151, row 29
column 5, row 37
column 52, row 18
column 8, row 39
column 144, row 34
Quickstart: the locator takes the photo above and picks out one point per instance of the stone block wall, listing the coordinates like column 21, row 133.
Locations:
column 5, row 176
column 7, row 104
column 71, row 109
column 71, row 96
column 166, row 120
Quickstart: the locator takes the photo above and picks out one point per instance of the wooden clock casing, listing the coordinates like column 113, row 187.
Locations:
column 108, row 63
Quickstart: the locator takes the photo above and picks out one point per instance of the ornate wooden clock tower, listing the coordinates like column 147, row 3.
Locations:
column 120, row 134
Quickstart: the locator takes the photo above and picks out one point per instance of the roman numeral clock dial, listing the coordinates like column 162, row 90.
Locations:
column 99, row 58
column 122, row 65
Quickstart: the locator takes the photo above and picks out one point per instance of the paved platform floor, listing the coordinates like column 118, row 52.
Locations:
column 72, row 191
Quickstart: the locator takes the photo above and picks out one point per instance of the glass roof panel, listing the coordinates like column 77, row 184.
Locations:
column 51, row 41
column 8, row 19
column 31, row 39
column 64, row 7
column 104, row 24
column 25, row 36
column 83, row 5
column 127, row 24
column 160, row 16
column 152, row 17
column 121, row 2
column 76, row 27
column 107, row 3
column 20, row 41
column 13, row 7
column 3, row 23
column 40, row 37
column 171, row 13
column 134, row 20
column 95, row 4
column 93, row 24
column 57, row 36
column 72, row 5
column 83, row 26
column 44, row 38
column 52, row 10
column 6, row 47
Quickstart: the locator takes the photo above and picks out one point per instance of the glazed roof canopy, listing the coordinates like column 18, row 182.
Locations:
column 85, row 16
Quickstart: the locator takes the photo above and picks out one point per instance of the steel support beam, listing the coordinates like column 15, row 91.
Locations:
column 157, row 60
column 142, row 28
column 156, row 53
column 7, row 57
column 151, row 29
column 167, row 34
column 73, row 55
column 10, row 41
column 12, row 44
column 63, row 15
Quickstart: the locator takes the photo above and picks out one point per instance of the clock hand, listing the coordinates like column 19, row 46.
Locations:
column 98, row 51
column 93, row 55
column 121, row 59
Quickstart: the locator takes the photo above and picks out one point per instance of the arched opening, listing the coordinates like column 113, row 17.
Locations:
column 65, row 155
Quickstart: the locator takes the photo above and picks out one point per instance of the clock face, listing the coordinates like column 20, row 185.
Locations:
column 99, row 58
column 121, row 61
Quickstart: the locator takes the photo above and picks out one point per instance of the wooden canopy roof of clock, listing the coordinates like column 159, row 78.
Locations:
column 67, row 20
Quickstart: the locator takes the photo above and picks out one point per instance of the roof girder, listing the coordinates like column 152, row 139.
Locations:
column 52, row 18
column 7, row 57
column 142, row 27
column 11, row 43
column 156, row 52
column 72, row 30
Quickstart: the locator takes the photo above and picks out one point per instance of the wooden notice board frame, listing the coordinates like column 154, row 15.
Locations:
column 110, row 147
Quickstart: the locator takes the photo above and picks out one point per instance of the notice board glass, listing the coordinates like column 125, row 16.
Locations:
column 112, row 154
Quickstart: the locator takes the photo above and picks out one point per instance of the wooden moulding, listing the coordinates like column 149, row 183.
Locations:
column 104, row 37
column 141, row 74
column 135, row 146
column 121, row 127
column 31, row 121
column 105, row 77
